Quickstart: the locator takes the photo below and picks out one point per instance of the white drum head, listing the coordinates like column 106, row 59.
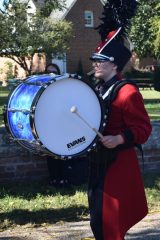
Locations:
column 61, row 131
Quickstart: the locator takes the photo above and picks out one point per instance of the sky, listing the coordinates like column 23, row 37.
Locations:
column 1, row 4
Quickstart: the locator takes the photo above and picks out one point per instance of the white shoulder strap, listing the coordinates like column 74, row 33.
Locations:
column 107, row 92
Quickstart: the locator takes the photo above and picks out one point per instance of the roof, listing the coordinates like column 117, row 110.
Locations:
column 57, row 14
column 68, row 5
column 37, row 4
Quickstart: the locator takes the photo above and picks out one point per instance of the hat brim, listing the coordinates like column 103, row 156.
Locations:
column 99, row 57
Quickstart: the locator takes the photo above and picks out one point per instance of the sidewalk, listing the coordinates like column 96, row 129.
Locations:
column 147, row 229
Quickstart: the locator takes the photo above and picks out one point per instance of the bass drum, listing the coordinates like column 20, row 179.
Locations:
column 38, row 115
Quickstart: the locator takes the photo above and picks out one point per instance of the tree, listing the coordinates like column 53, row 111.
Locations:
column 46, row 6
column 49, row 5
column 144, row 34
column 155, row 24
column 23, row 34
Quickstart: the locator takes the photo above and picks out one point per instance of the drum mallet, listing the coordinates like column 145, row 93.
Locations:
column 74, row 110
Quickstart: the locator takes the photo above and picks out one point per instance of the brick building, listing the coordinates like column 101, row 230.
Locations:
column 85, row 17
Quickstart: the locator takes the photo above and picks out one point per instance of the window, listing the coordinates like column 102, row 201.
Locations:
column 88, row 16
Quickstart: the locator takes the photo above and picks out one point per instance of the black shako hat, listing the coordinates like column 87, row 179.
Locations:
column 113, row 51
column 116, row 19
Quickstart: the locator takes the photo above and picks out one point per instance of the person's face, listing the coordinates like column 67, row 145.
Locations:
column 104, row 70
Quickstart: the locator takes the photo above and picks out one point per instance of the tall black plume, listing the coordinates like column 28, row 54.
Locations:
column 117, row 13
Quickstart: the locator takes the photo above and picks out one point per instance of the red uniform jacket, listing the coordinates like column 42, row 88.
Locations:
column 124, row 201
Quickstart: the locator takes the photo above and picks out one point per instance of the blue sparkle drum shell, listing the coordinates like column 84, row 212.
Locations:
column 38, row 115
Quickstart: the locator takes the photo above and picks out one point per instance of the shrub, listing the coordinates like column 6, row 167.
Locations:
column 138, row 74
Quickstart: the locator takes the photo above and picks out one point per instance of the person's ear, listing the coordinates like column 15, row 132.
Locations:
column 115, row 67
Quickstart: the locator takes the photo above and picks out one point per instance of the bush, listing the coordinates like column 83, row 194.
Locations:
column 138, row 74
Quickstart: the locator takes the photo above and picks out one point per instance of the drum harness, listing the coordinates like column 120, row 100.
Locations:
column 102, row 158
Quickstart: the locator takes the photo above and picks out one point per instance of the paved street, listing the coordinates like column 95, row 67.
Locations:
column 147, row 229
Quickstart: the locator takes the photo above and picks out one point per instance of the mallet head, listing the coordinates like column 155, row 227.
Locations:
column 73, row 109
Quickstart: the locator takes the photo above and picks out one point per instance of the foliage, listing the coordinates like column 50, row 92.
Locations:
column 138, row 74
column 46, row 7
column 9, row 70
column 22, row 34
column 49, row 5
column 155, row 24
column 144, row 34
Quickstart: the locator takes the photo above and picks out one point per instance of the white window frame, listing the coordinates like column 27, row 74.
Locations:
column 88, row 16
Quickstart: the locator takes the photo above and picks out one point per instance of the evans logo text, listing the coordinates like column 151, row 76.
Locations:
column 76, row 142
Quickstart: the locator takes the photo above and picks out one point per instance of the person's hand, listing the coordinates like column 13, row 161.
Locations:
column 112, row 141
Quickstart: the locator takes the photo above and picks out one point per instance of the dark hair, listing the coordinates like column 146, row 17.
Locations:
column 57, row 71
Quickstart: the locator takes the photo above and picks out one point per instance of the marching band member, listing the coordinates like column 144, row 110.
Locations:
column 116, row 193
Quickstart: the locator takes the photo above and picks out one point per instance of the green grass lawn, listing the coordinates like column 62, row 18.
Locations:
column 152, row 103
column 150, row 94
column 40, row 204
column 153, row 110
